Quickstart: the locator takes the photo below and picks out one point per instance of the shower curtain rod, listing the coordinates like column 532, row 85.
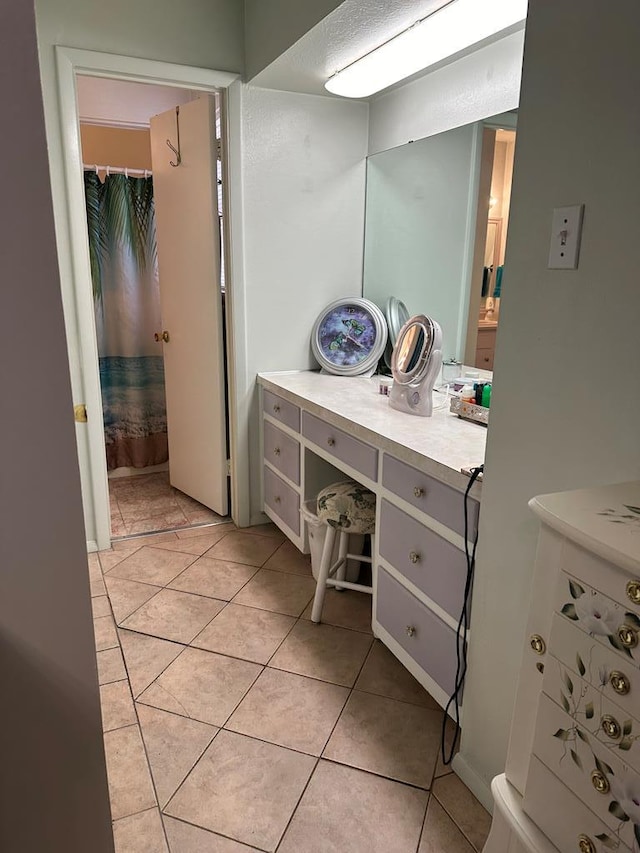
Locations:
column 116, row 170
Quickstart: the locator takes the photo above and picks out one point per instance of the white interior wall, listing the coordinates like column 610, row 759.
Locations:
column 303, row 198
column 563, row 412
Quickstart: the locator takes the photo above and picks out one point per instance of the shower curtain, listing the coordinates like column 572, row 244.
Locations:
column 122, row 249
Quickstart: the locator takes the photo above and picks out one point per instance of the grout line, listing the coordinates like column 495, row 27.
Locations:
column 424, row 820
column 297, row 805
column 212, row 832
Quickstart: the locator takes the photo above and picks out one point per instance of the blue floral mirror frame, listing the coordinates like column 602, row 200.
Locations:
column 349, row 337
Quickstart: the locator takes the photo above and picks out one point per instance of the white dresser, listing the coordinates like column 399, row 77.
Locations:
column 317, row 429
column 572, row 779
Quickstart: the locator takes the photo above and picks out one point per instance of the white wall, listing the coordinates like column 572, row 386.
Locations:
column 420, row 213
column 53, row 786
column 481, row 84
column 303, row 198
column 564, row 411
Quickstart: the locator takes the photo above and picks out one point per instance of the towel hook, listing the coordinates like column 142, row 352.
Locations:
column 175, row 150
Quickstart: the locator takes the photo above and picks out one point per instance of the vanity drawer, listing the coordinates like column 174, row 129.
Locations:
column 280, row 409
column 434, row 565
column 282, row 499
column 484, row 358
column 354, row 452
column 282, row 451
column 424, row 636
column 569, row 821
column 436, row 499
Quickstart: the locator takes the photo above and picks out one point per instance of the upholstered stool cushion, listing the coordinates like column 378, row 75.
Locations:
column 348, row 506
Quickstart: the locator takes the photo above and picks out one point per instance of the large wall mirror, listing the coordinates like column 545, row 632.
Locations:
column 435, row 231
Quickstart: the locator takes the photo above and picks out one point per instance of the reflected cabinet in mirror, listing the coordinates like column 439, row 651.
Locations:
column 435, row 231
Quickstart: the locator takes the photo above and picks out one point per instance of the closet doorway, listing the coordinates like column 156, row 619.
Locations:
column 153, row 193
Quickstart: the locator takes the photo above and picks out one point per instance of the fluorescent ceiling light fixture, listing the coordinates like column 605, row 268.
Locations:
column 456, row 26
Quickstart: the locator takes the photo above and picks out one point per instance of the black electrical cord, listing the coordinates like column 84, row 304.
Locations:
column 463, row 627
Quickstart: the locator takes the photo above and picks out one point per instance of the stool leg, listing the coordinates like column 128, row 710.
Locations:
column 343, row 547
column 323, row 573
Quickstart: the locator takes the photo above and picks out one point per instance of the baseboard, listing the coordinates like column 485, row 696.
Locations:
column 476, row 784
column 92, row 546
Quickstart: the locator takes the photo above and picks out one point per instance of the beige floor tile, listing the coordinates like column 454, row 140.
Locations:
column 198, row 545
column 184, row 838
column 118, row 526
column 130, row 788
column 346, row 609
column 443, row 769
column 173, row 744
column 140, row 833
column 140, row 541
column 387, row 737
column 104, row 630
column 348, row 811
column 117, row 706
column 244, row 789
column 152, row 565
column 172, row 615
column 206, row 530
column 247, row 548
column 163, row 521
column 97, row 587
column 100, row 606
column 268, row 529
column 440, row 832
column 200, row 516
column 278, row 592
column 458, row 801
column 111, row 558
column 324, row 652
column 135, row 509
column 384, row 675
column 110, row 666
column 290, row 710
column 215, row 578
column 207, row 686
column 245, row 632
column 93, row 562
column 146, row 657
column 126, row 596
column 289, row 559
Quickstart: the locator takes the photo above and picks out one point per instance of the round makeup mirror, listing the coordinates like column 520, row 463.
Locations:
column 396, row 314
column 415, row 364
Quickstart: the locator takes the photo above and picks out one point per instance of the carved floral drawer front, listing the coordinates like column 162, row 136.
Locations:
column 567, row 822
column 280, row 409
column 612, row 624
column 619, row 680
column 594, row 571
column 604, row 782
column 578, row 691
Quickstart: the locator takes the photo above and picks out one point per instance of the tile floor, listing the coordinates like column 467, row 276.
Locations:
column 233, row 724
column 147, row 502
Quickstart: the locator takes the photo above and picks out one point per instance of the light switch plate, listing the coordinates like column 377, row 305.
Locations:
column 566, row 230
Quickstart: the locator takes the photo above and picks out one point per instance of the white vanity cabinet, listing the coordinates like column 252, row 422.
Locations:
column 319, row 429
column 572, row 780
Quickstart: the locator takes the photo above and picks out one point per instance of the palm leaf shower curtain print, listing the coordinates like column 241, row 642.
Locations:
column 124, row 273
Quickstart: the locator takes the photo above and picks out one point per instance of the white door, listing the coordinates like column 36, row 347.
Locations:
column 186, row 202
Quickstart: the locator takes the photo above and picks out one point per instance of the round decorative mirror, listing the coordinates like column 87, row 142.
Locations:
column 416, row 361
column 397, row 315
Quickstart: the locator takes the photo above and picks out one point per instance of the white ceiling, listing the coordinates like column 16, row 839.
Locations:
column 120, row 103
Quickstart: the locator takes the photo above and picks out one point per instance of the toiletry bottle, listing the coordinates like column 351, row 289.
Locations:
column 486, row 395
column 479, row 390
column 468, row 394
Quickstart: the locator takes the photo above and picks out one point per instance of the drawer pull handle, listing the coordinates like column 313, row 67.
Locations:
column 633, row 591
column 600, row 782
column 276, row 451
column 276, row 408
column 538, row 644
column 418, row 492
column 627, row 636
column 411, row 631
column 414, row 557
column 331, row 442
column 277, row 499
column 619, row 682
column 585, row 844
column 611, row 727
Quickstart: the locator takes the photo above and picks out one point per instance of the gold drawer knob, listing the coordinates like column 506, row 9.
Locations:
column 418, row 492
column 276, row 451
column 331, row 442
column 600, row 782
column 411, row 631
column 627, row 636
column 619, row 682
column 633, row 591
column 414, row 557
column 538, row 644
column 277, row 499
column 611, row 727
column 276, row 408
column 585, row 844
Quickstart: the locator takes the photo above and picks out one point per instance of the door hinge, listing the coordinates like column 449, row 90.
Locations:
column 228, row 467
column 219, row 149
column 80, row 413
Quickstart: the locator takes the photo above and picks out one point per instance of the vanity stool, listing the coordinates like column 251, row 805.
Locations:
column 346, row 507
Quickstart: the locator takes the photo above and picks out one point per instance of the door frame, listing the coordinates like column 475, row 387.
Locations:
column 77, row 293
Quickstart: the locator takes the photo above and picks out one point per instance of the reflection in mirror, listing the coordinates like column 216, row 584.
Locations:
column 410, row 348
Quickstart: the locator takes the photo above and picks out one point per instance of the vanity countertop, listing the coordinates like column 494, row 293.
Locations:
column 440, row 445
